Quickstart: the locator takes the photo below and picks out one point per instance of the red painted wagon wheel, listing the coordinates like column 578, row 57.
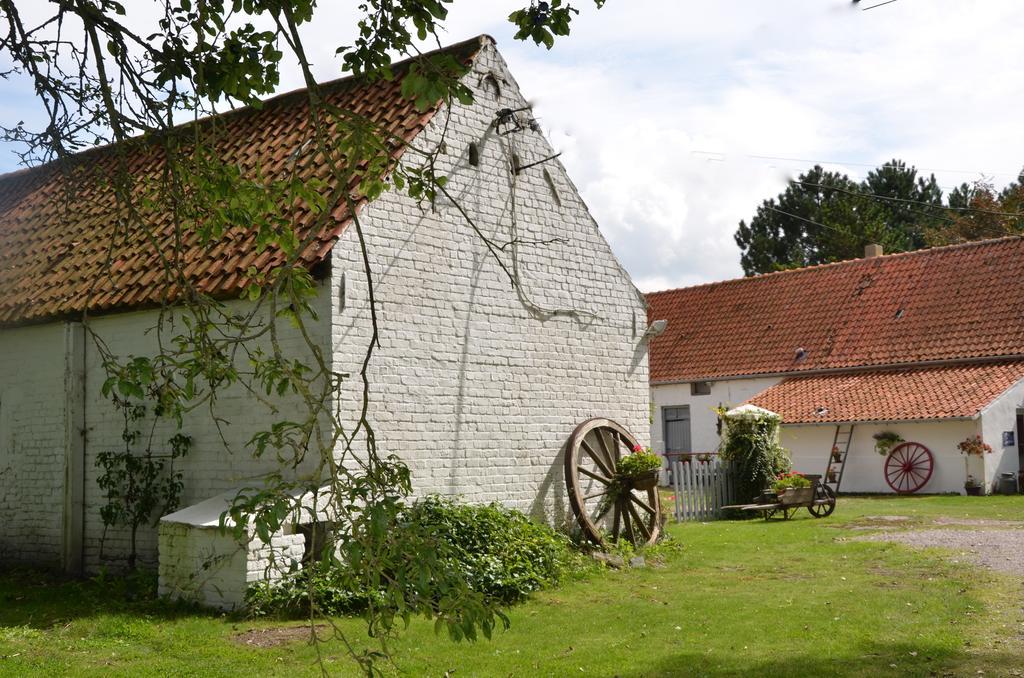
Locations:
column 603, row 508
column 909, row 467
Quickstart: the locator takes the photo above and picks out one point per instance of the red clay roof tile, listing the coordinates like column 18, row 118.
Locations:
column 960, row 391
column 942, row 304
column 55, row 245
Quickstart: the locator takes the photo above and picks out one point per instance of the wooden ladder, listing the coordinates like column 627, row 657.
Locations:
column 841, row 444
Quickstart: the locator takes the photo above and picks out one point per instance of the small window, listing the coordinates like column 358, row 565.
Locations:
column 700, row 388
column 474, row 155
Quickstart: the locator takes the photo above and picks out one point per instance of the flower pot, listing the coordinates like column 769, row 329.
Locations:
column 973, row 490
column 797, row 495
column 647, row 480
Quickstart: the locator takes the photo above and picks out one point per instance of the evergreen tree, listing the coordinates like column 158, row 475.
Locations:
column 826, row 216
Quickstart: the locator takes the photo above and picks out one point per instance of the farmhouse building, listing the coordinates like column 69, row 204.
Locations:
column 476, row 384
column 926, row 345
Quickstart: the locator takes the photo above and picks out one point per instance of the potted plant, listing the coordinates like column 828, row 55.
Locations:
column 885, row 441
column 832, row 475
column 972, row 487
column 837, row 456
column 793, row 488
column 639, row 470
column 973, row 446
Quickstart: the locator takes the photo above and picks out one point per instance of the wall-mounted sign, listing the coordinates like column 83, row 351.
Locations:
column 1009, row 439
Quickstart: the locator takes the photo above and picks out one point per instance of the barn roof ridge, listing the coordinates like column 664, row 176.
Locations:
column 843, row 262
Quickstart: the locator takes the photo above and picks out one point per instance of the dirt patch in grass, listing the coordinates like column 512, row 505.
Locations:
column 1001, row 550
column 879, row 523
column 977, row 522
column 276, row 636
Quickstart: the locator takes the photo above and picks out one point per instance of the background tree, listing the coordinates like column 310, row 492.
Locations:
column 978, row 211
column 825, row 216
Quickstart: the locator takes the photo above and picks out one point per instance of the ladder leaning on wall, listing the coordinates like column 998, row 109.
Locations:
column 837, row 456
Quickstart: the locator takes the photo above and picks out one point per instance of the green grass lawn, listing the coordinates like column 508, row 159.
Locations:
column 754, row 598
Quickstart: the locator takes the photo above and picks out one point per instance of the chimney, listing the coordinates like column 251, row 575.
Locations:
column 873, row 250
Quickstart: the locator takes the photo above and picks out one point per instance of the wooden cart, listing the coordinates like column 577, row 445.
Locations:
column 820, row 503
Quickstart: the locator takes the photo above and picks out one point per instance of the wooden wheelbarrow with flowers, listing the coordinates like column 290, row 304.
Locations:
column 791, row 492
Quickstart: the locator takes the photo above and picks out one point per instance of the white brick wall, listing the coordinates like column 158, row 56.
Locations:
column 474, row 392
column 31, row 444
column 477, row 394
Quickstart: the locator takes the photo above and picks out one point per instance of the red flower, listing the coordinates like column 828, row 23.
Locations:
column 637, row 449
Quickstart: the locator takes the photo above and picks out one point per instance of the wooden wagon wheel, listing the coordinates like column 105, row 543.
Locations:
column 909, row 467
column 823, row 493
column 602, row 506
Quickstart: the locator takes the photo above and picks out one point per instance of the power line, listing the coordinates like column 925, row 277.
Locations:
column 886, row 2
column 804, row 219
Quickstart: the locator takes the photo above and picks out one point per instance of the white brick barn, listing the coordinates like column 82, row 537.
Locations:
column 475, row 387
column 927, row 345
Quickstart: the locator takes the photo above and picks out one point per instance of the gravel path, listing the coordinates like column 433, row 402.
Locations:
column 998, row 549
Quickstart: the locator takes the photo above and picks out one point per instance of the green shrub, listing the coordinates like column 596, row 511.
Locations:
column 495, row 552
column 750, row 442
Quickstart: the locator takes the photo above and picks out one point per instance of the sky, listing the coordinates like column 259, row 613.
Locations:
column 676, row 118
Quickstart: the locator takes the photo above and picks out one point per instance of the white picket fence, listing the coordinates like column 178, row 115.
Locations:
column 701, row 488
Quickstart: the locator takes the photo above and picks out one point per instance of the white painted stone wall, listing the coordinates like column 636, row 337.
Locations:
column 31, row 444
column 703, row 419
column 998, row 417
column 809, row 447
column 201, row 563
column 473, row 391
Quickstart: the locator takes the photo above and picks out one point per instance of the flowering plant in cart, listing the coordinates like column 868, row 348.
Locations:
column 790, row 481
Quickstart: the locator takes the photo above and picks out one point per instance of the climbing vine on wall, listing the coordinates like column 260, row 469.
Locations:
column 138, row 486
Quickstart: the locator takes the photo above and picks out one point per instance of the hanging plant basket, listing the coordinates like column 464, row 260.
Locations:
column 647, row 480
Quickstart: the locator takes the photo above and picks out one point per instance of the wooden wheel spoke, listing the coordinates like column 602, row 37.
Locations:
column 595, row 495
column 598, row 459
column 627, row 523
column 642, row 504
column 608, row 450
column 615, row 522
column 598, row 478
column 639, row 523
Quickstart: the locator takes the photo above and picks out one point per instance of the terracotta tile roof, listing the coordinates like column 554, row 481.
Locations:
column 54, row 247
column 948, row 303
column 891, row 395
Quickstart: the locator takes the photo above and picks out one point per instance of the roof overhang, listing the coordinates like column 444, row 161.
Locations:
column 955, row 392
